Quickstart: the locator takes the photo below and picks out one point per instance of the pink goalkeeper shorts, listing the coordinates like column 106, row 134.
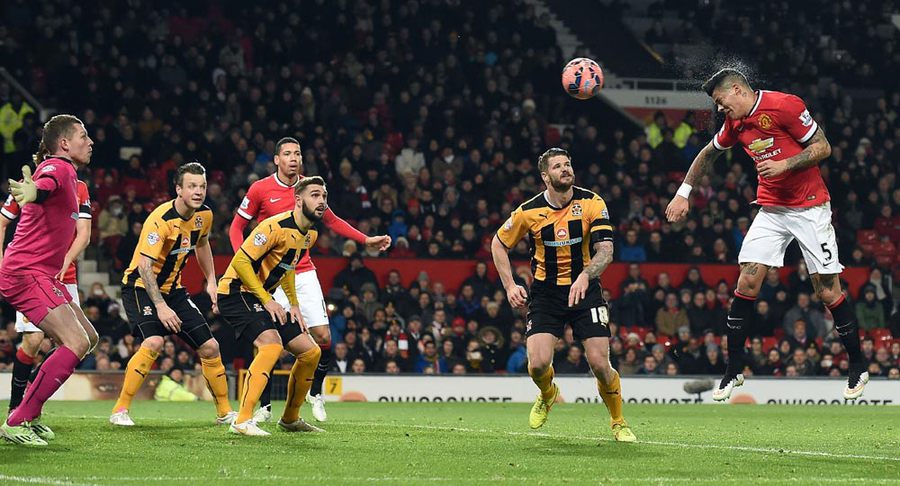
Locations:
column 33, row 295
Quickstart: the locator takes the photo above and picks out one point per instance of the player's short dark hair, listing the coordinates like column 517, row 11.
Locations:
column 306, row 182
column 284, row 141
column 723, row 77
column 189, row 168
column 544, row 159
column 60, row 126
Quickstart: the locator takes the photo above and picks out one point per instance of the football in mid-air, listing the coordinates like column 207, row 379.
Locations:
column 582, row 78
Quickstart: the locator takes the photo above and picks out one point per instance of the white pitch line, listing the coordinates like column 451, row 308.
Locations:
column 42, row 480
column 659, row 443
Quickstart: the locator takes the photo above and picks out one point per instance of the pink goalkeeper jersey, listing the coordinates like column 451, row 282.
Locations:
column 45, row 229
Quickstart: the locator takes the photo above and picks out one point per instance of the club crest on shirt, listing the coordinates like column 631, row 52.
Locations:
column 198, row 222
column 765, row 121
column 576, row 210
column 153, row 238
column 307, row 241
column 260, row 239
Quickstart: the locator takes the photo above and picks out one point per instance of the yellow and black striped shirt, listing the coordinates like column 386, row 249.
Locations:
column 562, row 239
column 168, row 239
column 274, row 248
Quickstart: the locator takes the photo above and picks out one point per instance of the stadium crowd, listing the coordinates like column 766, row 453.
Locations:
column 416, row 112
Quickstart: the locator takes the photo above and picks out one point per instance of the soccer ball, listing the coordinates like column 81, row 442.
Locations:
column 582, row 78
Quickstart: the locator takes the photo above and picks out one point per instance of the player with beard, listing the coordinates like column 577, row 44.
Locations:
column 274, row 195
column 158, row 305
column 265, row 262
column 571, row 246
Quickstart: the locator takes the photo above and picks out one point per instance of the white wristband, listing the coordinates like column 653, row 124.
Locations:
column 684, row 191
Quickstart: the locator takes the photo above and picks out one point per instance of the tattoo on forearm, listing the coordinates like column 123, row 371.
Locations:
column 750, row 268
column 817, row 148
column 149, row 279
column 702, row 165
column 600, row 261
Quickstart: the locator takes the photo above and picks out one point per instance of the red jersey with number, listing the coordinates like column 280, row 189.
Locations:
column 269, row 196
column 775, row 129
column 36, row 248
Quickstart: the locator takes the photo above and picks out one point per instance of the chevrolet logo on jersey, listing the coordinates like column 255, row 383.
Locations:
column 760, row 145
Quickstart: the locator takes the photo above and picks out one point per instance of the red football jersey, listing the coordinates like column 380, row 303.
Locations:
column 11, row 210
column 775, row 129
column 269, row 196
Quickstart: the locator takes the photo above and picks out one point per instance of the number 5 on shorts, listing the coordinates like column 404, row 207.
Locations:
column 828, row 254
column 600, row 315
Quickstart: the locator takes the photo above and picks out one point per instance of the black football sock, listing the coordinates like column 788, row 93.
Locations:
column 22, row 367
column 847, row 329
column 738, row 326
column 321, row 370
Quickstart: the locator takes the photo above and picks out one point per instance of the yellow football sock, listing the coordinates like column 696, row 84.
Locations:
column 544, row 382
column 217, row 382
column 138, row 367
column 257, row 377
column 612, row 397
column 299, row 383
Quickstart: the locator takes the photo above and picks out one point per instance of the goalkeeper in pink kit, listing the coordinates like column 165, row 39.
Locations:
column 49, row 204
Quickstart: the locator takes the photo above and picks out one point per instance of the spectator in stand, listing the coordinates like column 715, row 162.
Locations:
column 574, row 364
column 813, row 318
column 631, row 250
column 765, row 323
column 113, row 225
column 670, row 318
column 352, row 278
column 869, row 312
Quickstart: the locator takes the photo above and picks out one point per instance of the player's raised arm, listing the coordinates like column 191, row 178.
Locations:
column 343, row 228
column 679, row 206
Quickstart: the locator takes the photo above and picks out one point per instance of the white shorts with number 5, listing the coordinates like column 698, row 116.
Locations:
column 310, row 298
column 775, row 227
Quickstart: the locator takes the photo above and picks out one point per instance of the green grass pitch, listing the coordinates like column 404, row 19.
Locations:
column 467, row 443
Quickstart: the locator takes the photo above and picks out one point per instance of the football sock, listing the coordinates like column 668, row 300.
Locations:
column 217, row 382
column 22, row 366
column 847, row 329
column 265, row 399
column 544, row 382
column 299, row 383
column 257, row 377
column 321, row 370
column 53, row 374
column 738, row 326
column 612, row 396
column 135, row 373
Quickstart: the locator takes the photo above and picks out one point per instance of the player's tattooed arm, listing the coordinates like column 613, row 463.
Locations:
column 816, row 149
column 603, row 256
column 145, row 269
column 702, row 164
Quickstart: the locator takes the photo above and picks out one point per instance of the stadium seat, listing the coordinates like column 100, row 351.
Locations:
column 866, row 236
column 880, row 335
column 769, row 343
